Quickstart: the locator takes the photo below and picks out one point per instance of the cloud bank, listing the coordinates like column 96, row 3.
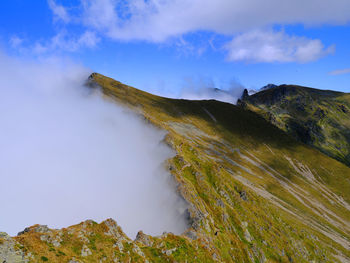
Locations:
column 67, row 155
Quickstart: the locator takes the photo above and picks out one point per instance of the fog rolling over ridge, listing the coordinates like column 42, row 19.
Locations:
column 68, row 155
column 206, row 89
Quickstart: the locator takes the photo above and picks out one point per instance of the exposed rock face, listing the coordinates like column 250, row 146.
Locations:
column 245, row 94
column 113, row 229
column 9, row 253
column 85, row 251
column 144, row 239
column 26, row 230
column 35, row 228
column 91, row 242
column 191, row 234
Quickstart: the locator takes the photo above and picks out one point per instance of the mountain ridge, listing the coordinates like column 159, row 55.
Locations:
column 254, row 193
column 320, row 118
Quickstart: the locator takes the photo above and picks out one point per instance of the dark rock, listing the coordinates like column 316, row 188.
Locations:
column 91, row 77
column 343, row 108
column 319, row 113
column 243, row 195
column 36, row 228
column 26, row 230
column 245, row 95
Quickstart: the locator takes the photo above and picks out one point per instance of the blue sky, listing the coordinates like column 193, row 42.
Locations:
column 161, row 46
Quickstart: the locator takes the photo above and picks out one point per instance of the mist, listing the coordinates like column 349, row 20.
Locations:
column 68, row 155
column 206, row 89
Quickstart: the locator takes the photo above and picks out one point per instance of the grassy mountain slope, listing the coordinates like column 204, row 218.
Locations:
column 254, row 194
column 317, row 117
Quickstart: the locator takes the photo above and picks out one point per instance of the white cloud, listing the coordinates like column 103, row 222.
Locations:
column 62, row 41
column 160, row 20
column 340, row 72
column 88, row 39
column 68, row 155
column 271, row 46
column 157, row 20
column 59, row 11
column 206, row 89
column 100, row 15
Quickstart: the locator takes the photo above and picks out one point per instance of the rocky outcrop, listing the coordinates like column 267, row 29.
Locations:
column 10, row 250
column 144, row 239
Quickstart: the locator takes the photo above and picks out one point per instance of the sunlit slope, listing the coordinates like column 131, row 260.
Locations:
column 317, row 117
column 224, row 150
column 254, row 193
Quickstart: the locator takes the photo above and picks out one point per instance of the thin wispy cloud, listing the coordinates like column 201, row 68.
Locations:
column 62, row 41
column 340, row 72
column 206, row 89
column 16, row 41
column 59, row 11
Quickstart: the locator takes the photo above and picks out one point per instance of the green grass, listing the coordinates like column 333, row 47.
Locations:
column 313, row 116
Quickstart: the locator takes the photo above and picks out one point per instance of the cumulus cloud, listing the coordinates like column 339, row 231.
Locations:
column 340, row 72
column 271, row 46
column 157, row 20
column 68, row 155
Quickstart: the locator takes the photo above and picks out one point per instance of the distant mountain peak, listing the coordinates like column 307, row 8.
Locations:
column 319, row 118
